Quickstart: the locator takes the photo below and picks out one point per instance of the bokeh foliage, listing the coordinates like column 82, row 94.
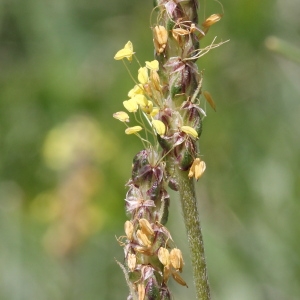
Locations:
column 64, row 160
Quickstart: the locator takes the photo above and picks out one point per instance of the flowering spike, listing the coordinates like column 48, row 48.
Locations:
column 167, row 98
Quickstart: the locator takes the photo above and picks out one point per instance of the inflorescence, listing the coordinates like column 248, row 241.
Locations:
column 165, row 105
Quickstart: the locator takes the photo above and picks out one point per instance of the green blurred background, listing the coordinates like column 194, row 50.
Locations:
column 64, row 160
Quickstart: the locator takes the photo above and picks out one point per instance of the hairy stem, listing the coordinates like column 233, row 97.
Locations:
column 195, row 239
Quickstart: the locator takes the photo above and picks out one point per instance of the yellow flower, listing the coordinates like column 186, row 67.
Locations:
column 147, row 108
column 143, row 75
column 154, row 78
column 140, row 99
column 121, row 116
column 159, row 127
column 132, row 130
column 190, row 131
column 152, row 65
column 154, row 111
column 137, row 89
column 126, row 52
column 131, row 105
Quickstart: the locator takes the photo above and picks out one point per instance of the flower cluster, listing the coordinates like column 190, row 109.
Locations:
column 151, row 255
column 156, row 114
column 165, row 104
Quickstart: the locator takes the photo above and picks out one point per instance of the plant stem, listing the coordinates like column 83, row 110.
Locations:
column 193, row 228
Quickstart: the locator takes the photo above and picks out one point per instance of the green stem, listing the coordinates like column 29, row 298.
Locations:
column 193, row 228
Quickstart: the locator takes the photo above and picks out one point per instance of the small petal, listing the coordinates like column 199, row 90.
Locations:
column 143, row 239
column 154, row 112
column 126, row 52
column 132, row 130
column 152, row 65
column 143, row 75
column 159, row 127
column 131, row 262
column 154, row 78
column 163, row 256
column 197, row 169
column 212, row 20
column 136, row 90
column 129, row 46
column 160, row 35
column 140, row 99
column 121, row 116
column 147, row 108
column 128, row 227
column 146, row 227
column 189, row 130
column 176, row 259
column 130, row 105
